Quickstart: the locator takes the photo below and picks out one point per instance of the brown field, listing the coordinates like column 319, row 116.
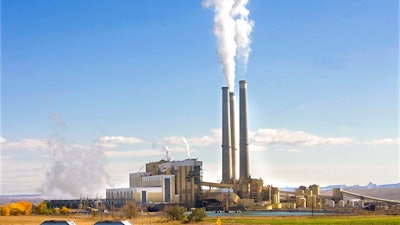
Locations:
column 80, row 220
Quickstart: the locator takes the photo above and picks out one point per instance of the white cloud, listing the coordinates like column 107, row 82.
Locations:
column 263, row 137
column 80, row 147
column 257, row 148
column 295, row 138
column 206, row 140
column 384, row 141
column 133, row 153
column 114, row 141
column 24, row 144
column 292, row 150
column 172, row 140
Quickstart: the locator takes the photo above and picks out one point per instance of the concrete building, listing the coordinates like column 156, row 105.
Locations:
column 163, row 182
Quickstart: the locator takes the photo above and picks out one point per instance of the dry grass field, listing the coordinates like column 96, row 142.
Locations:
column 156, row 220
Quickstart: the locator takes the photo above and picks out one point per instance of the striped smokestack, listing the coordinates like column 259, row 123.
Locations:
column 226, row 137
column 233, row 133
column 243, row 129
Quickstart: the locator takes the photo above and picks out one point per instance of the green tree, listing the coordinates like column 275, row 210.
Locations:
column 177, row 213
column 197, row 215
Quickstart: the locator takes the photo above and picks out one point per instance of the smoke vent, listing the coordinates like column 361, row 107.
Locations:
column 226, row 137
column 243, row 129
column 233, row 133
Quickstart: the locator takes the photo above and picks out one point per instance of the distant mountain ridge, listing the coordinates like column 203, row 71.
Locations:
column 34, row 198
column 369, row 185
column 329, row 187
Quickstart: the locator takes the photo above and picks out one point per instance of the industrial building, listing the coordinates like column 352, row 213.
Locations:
column 180, row 182
column 163, row 182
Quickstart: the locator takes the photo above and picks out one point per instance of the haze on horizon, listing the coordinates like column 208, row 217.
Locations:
column 91, row 91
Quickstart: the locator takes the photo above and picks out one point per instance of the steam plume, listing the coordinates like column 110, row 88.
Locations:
column 186, row 147
column 164, row 147
column 244, row 26
column 168, row 155
column 232, row 28
column 75, row 170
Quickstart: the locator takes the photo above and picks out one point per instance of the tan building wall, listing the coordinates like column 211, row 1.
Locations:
column 155, row 197
column 186, row 186
column 177, row 181
column 187, row 178
column 135, row 179
column 152, row 181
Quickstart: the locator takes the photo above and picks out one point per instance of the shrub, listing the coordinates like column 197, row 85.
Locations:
column 197, row 215
column 55, row 211
column 41, row 209
column 177, row 213
column 5, row 210
column 65, row 211
column 15, row 209
column 27, row 206
column 130, row 209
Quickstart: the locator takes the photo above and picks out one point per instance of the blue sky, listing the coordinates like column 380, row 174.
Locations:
column 113, row 82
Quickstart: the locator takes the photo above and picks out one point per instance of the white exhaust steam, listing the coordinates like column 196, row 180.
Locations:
column 168, row 155
column 74, row 170
column 232, row 28
column 186, row 147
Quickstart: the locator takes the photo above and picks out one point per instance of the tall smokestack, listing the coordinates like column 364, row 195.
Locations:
column 226, row 137
column 233, row 133
column 243, row 129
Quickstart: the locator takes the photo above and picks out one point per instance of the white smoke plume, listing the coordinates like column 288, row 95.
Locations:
column 186, row 147
column 167, row 144
column 168, row 154
column 244, row 26
column 164, row 147
column 232, row 28
column 74, row 170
